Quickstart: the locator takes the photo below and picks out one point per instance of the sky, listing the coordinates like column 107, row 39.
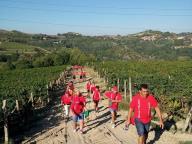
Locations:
column 96, row 17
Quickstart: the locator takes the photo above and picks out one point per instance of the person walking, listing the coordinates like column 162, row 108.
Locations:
column 114, row 98
column 93, row 86
column 141, row 105
column 77, row 107
column 96, row 96
column 70, row 88
column 88, row 86
column 66, row 102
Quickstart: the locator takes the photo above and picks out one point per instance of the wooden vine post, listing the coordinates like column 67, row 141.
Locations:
column 188, row 121
column 118, row 81
column 130, row 89
column 48, row 99
column 6, row 132
column 31, row 99
column 125, row 89
column 17, row 105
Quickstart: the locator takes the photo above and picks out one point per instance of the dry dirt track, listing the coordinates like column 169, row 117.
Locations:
column 98, row 129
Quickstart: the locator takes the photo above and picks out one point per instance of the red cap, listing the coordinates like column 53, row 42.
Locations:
column 115, row 88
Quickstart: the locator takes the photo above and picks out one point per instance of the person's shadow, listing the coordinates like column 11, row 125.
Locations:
column 99, row 121
column 158, row 131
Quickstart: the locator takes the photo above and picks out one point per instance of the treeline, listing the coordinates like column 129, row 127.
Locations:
column 56, row 58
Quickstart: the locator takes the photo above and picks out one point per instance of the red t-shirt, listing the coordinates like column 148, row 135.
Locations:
column 96, row 95
column 142, row 107
column 113, row 96
column 78, row 104
column 82, row 73
column 88, row 85
column 66, row 99
column 108, row 94
column 93, row 87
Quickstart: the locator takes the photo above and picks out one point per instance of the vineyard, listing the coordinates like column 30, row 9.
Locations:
column 171, row 82
column 12, row 47
column 30, row 88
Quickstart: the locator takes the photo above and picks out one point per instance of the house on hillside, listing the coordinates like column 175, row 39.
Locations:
column 178, row 47
column 180, row 38
column 44, row 38
column 149, row 38
column 56, row 42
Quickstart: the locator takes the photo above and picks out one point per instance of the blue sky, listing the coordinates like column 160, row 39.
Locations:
column 96, row 17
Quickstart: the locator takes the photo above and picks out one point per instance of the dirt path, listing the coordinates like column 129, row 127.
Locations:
column 98, row 129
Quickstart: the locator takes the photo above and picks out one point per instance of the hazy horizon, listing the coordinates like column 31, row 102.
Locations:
column 90, row 35
column 101, row 17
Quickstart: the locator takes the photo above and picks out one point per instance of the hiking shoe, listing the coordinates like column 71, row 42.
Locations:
column 113, row 125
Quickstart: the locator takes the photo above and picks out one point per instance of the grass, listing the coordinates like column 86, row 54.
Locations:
column 187, row 142
column 124, row 105
column 14, row 45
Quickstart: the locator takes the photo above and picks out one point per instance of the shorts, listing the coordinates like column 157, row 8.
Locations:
column 112, row 110
column 78, row 117
column 142, row 129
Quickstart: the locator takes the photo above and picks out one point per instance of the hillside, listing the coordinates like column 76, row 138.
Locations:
column 144, row 45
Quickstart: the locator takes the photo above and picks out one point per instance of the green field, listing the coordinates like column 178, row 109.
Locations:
column 13, row 47
column 188, row 142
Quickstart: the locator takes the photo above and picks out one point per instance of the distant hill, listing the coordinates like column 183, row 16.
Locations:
column 144, row 45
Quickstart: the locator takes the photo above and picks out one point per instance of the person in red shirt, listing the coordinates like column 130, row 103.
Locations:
column 92, row 87
column 66, row 102
column 81, row 76
column 77, row 108
column 88, row 87
column 141, row 105
column 114, row 98
column 74, row 75
column 84, row 75
column 71, row 85
column 70, row 88
column 96, row 96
